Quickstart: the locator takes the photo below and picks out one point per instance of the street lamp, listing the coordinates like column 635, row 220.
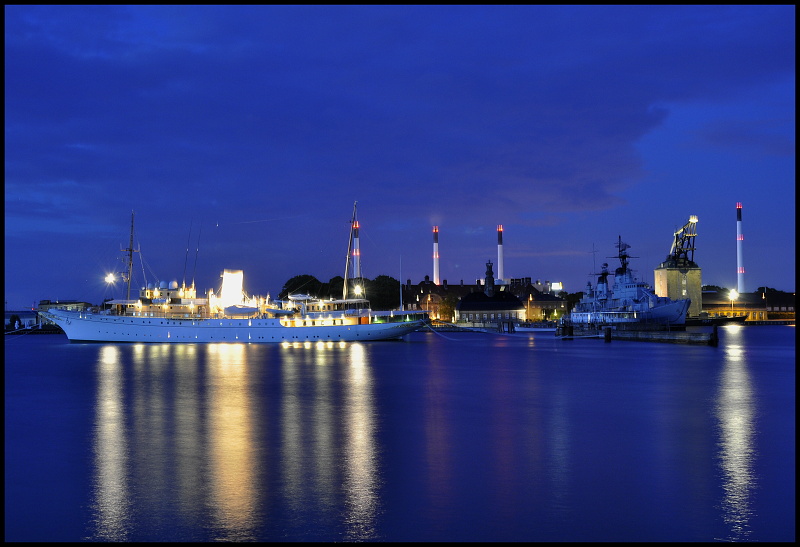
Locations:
column 110, row 283
column 733, row 295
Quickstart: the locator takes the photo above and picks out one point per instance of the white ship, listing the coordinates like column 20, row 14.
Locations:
column 628, row 302
column 174, row 314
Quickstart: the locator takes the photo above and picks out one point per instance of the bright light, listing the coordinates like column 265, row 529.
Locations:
column 693, row 219
column 357, row 290
column 110, row 278
column 733, row 295
column 231, row 293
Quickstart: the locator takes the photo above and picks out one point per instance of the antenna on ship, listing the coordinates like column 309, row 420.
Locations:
column 186, row 258
column 197, row 252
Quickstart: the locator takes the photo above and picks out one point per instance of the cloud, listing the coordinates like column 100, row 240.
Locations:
column 461, row 115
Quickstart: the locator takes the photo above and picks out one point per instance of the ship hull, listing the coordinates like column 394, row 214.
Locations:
column 705, row 321
column 673, row 313
column 86, row 327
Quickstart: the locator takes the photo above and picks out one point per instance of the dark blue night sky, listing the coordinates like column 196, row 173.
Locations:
column 245, row 134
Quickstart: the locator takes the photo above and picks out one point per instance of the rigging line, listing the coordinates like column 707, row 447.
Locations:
column 144, row 262
column 263, row 220
column 186, row 258
column 198, row 251
column 471, row 330
column 440, row 334
column 24, row 334
column 144, row 274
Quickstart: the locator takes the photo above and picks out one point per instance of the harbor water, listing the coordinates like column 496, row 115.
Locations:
column 437, row 437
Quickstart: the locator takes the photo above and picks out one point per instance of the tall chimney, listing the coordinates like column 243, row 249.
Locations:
column 435, row 255
column 500, row 276
column 739, row 241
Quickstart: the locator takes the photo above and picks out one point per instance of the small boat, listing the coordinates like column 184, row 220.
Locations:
column 704, row 320
column 630, row 302
column 173, row 313
column 536, row 326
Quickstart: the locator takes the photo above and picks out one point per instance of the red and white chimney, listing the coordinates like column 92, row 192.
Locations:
column 435, row 255
column 500, row 274
column 739, row 242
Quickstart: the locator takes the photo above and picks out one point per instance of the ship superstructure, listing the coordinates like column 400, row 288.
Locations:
column 628, row 301
column 174, row 313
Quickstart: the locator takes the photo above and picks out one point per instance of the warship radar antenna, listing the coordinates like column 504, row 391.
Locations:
column 622, row 253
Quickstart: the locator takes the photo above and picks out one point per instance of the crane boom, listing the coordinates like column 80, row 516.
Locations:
column 682, row 251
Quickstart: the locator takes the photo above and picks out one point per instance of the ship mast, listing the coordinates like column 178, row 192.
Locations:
column 353, row 226
column 622, row 254
column 130, row 250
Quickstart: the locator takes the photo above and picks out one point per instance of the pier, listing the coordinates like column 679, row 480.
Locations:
column 672, row 337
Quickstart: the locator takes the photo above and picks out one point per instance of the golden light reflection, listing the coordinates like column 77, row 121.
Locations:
column 323, row 447
column 292, row 418
column 361, row 474
column 112, row 504
column 231, row 442
column 736, row 409
column 178, row 425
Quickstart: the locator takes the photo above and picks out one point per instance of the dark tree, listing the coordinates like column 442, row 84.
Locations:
column 301, row 284
column 383, row 292
column 333, row 288
column 12, row 321
column 447, row 309
column 712, row 288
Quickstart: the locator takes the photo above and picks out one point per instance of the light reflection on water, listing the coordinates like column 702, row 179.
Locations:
column 361, row 455
column 736, row 410
column 112, row 501
column 359, row 442
column 181, row 442
column 232, row 443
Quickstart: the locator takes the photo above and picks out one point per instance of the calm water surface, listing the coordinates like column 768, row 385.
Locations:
column 469, row 437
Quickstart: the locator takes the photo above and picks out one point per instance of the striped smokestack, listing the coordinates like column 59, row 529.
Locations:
column 739, row 242
column 435, row 255
column 500, row 275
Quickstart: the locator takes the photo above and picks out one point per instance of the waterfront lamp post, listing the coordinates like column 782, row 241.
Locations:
column 733, row 295
column 110, row 280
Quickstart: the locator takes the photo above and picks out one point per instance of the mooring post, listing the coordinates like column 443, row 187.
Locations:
column 607, row 334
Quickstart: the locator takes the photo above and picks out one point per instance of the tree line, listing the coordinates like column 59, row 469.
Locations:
column 383, row 292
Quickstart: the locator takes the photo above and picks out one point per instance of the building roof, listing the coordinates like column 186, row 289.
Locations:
column 749, row 300
column 500, row 301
